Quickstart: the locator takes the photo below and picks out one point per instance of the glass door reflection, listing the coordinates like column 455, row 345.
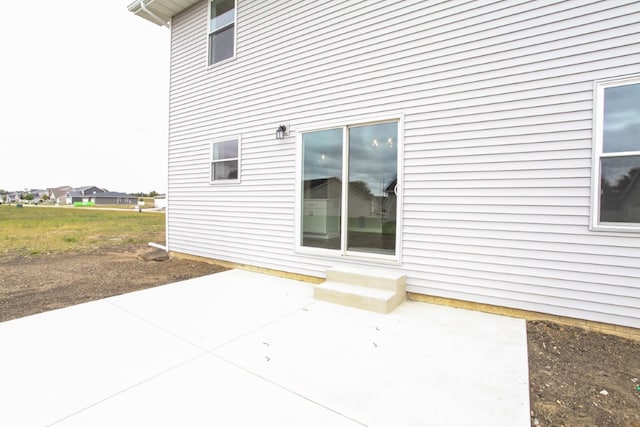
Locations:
column 322, row 188
column 371, row 198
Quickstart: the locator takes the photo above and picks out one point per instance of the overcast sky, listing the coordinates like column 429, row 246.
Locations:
column 84, row 96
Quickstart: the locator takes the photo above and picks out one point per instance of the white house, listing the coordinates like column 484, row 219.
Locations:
column 511, row 129
column 58, row 195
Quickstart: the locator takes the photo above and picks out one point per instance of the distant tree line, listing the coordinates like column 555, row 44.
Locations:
column 150, row 194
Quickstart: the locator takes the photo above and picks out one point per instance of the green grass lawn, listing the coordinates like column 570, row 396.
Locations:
column 34, row 230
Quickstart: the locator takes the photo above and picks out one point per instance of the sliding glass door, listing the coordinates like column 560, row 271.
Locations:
column 349, row 189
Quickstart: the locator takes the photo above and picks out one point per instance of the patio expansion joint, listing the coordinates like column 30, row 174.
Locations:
column 256, row 329
column 213, row 353
column 199, row 347
column 127, row 388
column 288, row 390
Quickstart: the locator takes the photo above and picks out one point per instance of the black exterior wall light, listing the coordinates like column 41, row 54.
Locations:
column 282, row 131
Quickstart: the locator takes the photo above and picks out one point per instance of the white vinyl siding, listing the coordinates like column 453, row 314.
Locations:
column 497, row 100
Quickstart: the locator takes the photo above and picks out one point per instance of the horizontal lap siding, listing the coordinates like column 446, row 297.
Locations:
column 497, row 98
column 497, row 190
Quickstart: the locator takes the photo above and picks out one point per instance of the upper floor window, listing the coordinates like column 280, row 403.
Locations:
column 225, row 160
column 617, row 162
column 222, row 23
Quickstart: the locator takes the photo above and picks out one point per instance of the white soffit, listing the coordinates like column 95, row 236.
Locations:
column 160, row 11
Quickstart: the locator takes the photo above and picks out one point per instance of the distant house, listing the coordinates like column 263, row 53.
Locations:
column 81, row 194
column 34, row 196
column 112, row 198
column 72, row 197
column 58, row 195
column 497, row 140
column 90, row 190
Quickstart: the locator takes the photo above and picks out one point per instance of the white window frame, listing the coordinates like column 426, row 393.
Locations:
column 211, row 31
column 598, row 129
column 212, row 143
column 343, row 253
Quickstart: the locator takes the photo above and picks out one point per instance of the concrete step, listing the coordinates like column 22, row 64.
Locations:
column 367, row 298
column 370, row 278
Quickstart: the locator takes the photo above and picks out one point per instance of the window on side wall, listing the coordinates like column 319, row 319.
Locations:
column 617, row 155
column 225, row 160
column 222, row 29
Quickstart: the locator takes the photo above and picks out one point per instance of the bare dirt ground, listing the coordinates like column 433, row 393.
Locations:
column 582, row 378
column 30, row 285
column 577, row 377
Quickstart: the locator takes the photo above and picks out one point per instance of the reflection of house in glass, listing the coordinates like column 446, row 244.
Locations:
column 390, row 201
column 361, row 201
column 321, row 210
column 370, row 217
column 372, row 226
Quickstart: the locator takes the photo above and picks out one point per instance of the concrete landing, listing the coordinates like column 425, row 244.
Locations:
column 240, row 348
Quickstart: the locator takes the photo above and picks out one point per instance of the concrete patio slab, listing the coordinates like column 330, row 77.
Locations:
column 241, row 348
column 207, row 392
column 56, row 363
column 209, row 312
column 416, row 366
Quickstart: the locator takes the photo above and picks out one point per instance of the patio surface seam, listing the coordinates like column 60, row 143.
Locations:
column 288, row 390
column 127, row 388
column 173, row 334
column 262, row 326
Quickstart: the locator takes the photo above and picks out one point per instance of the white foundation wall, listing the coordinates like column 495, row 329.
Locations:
column 497, row 99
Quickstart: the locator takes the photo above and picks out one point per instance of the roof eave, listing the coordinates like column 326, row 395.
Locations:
column 159, row 12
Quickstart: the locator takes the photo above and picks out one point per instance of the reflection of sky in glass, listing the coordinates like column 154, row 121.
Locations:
column 373, row 154
column 225, row 150
column 622, row 118
column 222, row 13
column 322, row 154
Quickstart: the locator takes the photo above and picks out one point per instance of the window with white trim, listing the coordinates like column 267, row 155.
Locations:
column 222, row 29
column 225, row 160
column 617, row 163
